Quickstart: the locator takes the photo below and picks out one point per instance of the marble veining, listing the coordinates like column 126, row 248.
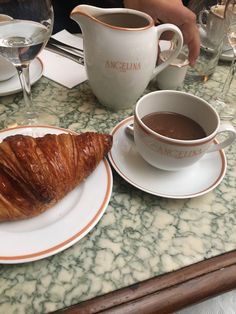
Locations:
column 139, row 236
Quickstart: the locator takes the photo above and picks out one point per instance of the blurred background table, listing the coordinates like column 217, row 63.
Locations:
column 147, row 254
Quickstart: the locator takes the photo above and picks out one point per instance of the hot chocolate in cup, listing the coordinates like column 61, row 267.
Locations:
column 173, row 129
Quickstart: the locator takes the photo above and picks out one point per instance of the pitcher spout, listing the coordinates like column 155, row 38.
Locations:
column 112, row 18
column 83, row 13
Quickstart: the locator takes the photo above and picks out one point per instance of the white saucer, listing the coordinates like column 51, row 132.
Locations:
column 227, row 53
column 12, row 85
column 196, row 180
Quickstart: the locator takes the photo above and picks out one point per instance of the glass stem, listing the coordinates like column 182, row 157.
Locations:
column 23, row 73
column 229, row 79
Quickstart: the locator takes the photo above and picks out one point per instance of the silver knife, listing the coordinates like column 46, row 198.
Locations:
column 56, row 42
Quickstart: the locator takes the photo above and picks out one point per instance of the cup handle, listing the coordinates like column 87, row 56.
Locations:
column 178, row 38
column 130, row 130
column 230, row 130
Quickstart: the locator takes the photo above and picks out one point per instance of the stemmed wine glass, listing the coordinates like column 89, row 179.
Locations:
column 23, row 34
column 225, row 105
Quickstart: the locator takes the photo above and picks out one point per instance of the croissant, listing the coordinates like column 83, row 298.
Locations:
column 35, row 173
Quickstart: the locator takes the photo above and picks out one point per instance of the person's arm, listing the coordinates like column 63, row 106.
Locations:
column 172, row 11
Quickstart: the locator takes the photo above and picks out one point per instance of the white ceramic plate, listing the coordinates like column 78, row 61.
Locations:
column 64, row 224
column 227, row 53
column 193, row 181
column 13, row 86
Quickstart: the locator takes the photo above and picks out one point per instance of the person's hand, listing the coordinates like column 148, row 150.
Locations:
column 172, row 11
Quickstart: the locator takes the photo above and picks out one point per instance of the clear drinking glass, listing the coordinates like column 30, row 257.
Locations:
column 22, row 36
column 210, row 23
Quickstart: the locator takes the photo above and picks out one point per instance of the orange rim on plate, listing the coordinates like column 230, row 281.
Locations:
column 83, row 231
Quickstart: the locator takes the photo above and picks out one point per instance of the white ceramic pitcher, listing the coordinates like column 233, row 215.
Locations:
column 121, row 48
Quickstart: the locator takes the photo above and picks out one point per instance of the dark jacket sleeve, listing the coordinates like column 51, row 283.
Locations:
column 62, row 9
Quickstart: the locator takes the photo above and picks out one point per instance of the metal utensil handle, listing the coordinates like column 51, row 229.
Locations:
column 54, row 41
column 65, row 54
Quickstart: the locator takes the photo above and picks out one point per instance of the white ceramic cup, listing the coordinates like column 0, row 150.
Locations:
column 173, row 154
column 7, row 69
column 173, row 75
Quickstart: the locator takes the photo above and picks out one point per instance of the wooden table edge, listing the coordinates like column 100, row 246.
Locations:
column 166, row 293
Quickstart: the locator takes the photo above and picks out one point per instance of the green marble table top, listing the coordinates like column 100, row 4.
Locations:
column 140, row 235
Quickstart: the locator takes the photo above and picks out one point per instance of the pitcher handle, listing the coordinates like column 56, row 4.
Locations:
column 178, row 37
column 202, row 14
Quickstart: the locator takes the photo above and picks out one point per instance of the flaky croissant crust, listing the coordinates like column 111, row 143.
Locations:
column 35, row 173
